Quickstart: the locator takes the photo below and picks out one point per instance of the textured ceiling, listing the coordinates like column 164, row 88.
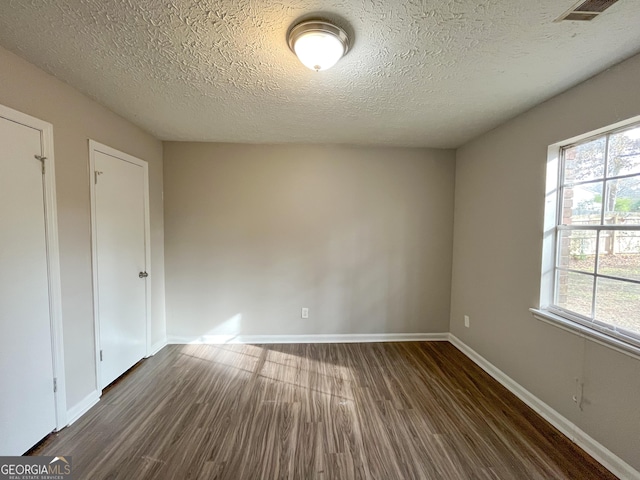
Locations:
column 421, row 72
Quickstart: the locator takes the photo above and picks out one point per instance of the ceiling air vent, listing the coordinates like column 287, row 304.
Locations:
column 585, row 11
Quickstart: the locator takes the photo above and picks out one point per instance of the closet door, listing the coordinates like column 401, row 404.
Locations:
column 120, row 256
column 27, row 402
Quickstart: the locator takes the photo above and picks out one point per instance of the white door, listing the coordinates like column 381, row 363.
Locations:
column 27, row 402
column 120, row 256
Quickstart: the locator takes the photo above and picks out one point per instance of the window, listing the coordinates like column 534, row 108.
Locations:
column 592, row 249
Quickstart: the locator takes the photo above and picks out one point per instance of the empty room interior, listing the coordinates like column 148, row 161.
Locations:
column 320, row 239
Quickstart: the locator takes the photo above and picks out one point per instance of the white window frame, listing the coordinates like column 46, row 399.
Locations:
column 547, row 311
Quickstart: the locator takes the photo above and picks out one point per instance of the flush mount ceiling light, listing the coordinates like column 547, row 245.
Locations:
column 318, row 44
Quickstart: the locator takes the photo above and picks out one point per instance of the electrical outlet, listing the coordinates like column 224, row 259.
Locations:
column 466, row 321
column 305, row 312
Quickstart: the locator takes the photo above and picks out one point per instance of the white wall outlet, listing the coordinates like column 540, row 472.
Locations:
column 466, row 321
column 305, row 312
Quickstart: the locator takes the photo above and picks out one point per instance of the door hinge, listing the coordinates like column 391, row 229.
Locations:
column 95, row 175
column 55, row 385
column 100, row 355
column 42, row 159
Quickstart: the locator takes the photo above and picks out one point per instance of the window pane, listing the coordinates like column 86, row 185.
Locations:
column 624, row 152
column 574, row 292
column 584, row 161
column 582, row 204
column 618, row 303
column 619, row 254
column 577, row 250
column 622, row 202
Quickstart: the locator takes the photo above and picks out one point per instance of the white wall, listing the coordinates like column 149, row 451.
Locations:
column 499, row 201
column 75, row 119
column 361, row 236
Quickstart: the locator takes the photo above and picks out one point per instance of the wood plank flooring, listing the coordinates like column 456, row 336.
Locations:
column 315, row 411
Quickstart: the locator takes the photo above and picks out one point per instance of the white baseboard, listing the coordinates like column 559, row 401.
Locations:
column 320, row 338
column 82, row 407
column 156, row 347
column 608, row 459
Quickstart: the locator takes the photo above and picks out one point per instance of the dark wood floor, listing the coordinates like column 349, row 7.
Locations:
column 304, row 411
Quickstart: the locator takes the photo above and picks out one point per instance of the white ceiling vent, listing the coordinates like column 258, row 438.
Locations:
column 586, row 11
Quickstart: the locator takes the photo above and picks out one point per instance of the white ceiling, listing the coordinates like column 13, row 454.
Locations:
column 421, row 72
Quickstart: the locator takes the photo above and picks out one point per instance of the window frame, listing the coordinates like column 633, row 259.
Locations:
column 547, row 311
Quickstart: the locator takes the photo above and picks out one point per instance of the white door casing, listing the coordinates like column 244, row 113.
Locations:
column 32, row 384
column 120, row 227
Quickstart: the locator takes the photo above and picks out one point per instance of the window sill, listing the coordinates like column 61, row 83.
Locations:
column 586, row 332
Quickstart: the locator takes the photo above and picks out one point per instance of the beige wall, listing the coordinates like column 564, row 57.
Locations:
column 75, row 119
column 361, row 236
column 500, row 185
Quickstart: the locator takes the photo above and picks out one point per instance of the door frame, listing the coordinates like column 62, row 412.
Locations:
column 53, row 256
column 112, row 152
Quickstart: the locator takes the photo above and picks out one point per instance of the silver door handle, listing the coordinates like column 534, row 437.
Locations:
column 143, row 275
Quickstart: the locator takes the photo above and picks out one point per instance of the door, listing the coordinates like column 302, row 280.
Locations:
column 120, row 243
column 27, row 401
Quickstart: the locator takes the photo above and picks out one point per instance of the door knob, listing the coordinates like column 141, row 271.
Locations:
column 143, row 275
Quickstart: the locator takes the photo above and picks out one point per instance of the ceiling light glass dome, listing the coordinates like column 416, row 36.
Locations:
column 318, row 44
